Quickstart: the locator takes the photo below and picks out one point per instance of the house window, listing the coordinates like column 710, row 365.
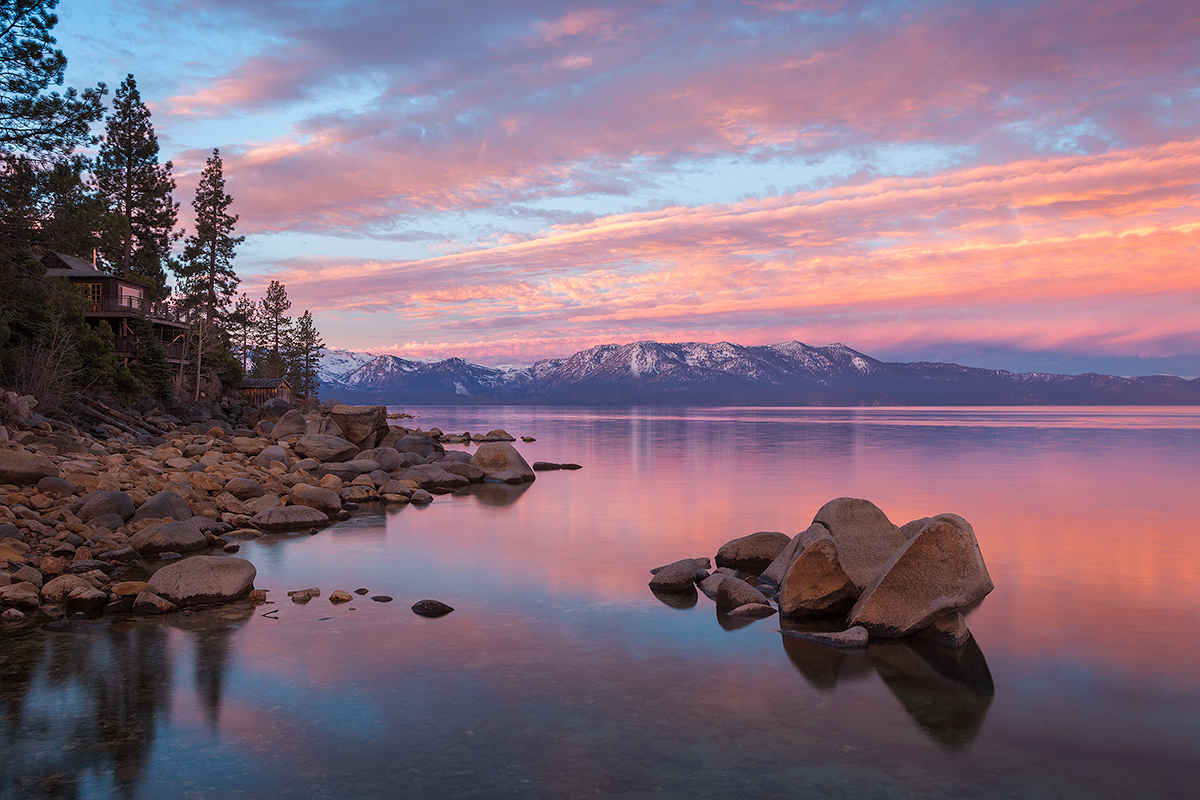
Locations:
column 131, row 297
column 91, row 291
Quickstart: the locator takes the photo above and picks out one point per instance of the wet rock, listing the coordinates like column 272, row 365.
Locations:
column 387, row 458
column 57, row 589
column 864, row 536
column 338, row 596
column 501, row 460
column 325, row 448
column 546, row 466
column 22, row 595
column 420, row 444
column 162, row 505
column 27, row 574
column 168, row 537
column 431, row 608
column 361, row 591
column 257, row 596
column 677, row 577
column 381, row 598
column 420, row 497
column 851, row 638
column 359, row 494
column 85, row 599
column 754, row 552
column 304, row 595
column 815, row 582
column 148, row 604
column 938, row 571
column 129, row 588
column 24, row 469
column 204, row 579
column 951, row 631
column 231, row 547
column 466, row 470
column 289, row 518
column 13, row 616
column 100, row 503
column 753, row 611
column 323, row 500
column 730, row 592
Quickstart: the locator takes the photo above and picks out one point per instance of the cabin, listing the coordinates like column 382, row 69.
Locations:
column 118, row 300
column 257, row 391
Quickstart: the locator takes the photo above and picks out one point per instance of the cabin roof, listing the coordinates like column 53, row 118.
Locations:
column 61, row 265
column 263, row 383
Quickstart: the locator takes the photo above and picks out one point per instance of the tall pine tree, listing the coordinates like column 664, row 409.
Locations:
column 137, row 190
column 305, row 356
column 242, row 325
column 275, row 332
column 207, row 279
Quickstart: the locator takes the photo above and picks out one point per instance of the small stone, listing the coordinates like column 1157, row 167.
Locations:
column 381, row 598
column 149, row 604
column 13, row 616
column 338, row 596
column 258, row 596
column 232, row 547
column 752, row 610
column 361, row 591
column 854, row 637
column 431, row 608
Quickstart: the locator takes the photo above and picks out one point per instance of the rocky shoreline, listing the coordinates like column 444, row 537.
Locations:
column 84, row 512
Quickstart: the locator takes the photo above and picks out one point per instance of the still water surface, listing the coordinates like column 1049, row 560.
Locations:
column 561, row 676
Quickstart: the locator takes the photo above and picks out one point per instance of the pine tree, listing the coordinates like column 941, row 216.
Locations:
column 32, row 119
column 305, row 356
column 242, row 324
column 137, row 190
column 275, row 332
column 207, row 279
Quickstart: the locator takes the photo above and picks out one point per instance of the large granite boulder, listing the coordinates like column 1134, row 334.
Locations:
column 387, row 458
column 21, row 468
column 204, row 579
column 864, row 536
column 271, row 455
column 815, row 582
column 274, row 409
column 168, row 537
column 324, row 500
column 420, row 443
column 244, row 488
column 500, row 460
column 292, row 423
column 162, row 505
column 325, row 448
column 935, row 573
column 289, row 518
column 678, row 577
column 363, row 425
column 100, row 503
column 754, row 552
column 467, row 470
column 57, row 589
column 777, row 570
column 23, row 595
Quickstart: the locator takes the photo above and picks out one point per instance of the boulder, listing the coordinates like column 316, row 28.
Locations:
column 162, row 505
column 753, row 610
column 777, row 570
column 274, row 409
column 168, row 537
column 289, row 518
column 472, row 473
column 937, row 572
column 340, row 596
column 323, row 500
column 292, row 423
column 363, row 425
column 59, row 487
column 325, row 448
column 204, row 579
column 502, row 461
column 387, row 458
column 21, row 468
column 678, row 577
column 22, row 595
column 864, row 536
column 57, row 589
column 431, row 608
column 323, row 426
column 262, row 503
column 100, row 503
column 730, row 592
column 754, row 552
column 421, row 444
column 86, row 598
column 851, row 638
column 271, row 455
column 815, row 582
column 950, row 630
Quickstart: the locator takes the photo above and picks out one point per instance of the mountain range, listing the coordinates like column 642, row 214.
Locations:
column 723, row 374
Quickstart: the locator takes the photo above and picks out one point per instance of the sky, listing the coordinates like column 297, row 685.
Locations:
column 1007, row 184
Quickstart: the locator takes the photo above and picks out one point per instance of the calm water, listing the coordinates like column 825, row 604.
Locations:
column 561, row 676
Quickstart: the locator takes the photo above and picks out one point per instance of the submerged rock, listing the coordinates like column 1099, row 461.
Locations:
column 851, row 638
column 677, row 577
column 431, row 608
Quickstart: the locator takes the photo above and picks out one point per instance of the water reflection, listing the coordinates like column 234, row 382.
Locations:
column 946, row 691
column 494, row 494
column 87, row 700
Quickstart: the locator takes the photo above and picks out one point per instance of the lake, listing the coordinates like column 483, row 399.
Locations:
column 560, row 675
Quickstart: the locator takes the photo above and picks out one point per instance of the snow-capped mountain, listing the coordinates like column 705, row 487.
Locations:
column 695, row 373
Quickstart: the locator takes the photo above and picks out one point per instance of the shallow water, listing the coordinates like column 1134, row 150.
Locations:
column 560, row 675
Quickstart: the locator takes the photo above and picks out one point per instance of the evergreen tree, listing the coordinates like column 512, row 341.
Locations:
column 275, row 332
column 137, row 190
column 32, row 119
column 72, row 215
column 207, row 279
column 242, row 325
column 305, row 356
column 151, row 367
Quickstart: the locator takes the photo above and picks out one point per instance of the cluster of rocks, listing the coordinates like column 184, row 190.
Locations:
column 78, row 513
column 885, row 581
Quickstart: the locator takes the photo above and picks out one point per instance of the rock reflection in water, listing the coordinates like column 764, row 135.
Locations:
column 88, row 699
column 681, row 600
column 946, row 692
column 494, row 494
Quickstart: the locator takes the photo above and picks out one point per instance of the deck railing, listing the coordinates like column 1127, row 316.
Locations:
column 128, row 346
column 136, row 305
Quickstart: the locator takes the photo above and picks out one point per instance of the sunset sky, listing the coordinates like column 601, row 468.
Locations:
column 1004, row 184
